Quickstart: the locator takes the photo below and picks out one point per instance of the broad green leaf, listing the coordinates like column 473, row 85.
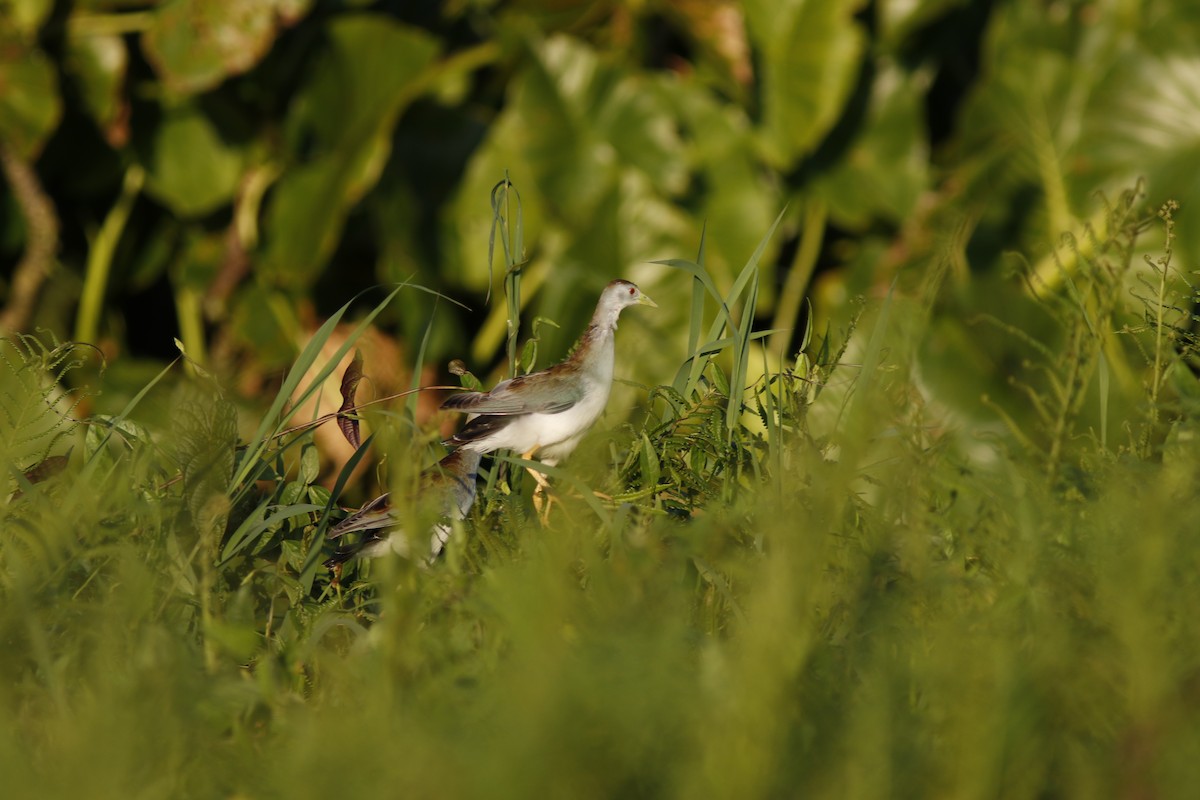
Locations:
column 98, row 65
column 30, row 107
column 199, row 259
column 345, row 116
column 722, row 58
column 571, row 163
column 596, row 151
column 1021, row 121
column 1065, row 110
column 307, row 209
column 585, row 119
column 467, row 237
column 633, row 117
column 362, row 81
column 811, row 52
column 598, row 154
column 900, row 18
column 196, row 44
column 885, row 169
column 739, row 200
column 265, row 321
column 190, row 167
column 27, row 16
column 1143, row 120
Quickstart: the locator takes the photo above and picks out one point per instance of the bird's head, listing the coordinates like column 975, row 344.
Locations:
column 622, row 294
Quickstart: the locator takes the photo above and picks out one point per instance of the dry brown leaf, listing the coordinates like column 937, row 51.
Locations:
column 350, row 380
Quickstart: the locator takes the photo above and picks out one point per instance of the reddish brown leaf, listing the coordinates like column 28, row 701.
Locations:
column 44, row 471
column 350, row 380
column 47, row 469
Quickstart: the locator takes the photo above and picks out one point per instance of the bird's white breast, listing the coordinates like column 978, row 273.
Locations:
column 556, row 435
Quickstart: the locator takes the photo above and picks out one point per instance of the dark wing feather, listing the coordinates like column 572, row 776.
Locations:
column 344, row 554
column 373, row 516
column 479, row 428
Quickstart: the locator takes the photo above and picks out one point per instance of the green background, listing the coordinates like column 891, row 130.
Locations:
column 930, row 533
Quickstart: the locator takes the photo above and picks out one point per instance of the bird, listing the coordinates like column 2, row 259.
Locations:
column 545, row 414
column 448, row 486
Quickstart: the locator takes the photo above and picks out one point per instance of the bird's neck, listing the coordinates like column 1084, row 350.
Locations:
column 605, row 317
column 594, row 351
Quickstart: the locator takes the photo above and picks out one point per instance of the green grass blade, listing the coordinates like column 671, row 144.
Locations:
column 309, row 571
column 125, row 412
column 410, row 404
column 1104, row 387
column 868, row 373
column 696, row 317
column 250, row 530
column 275, row 419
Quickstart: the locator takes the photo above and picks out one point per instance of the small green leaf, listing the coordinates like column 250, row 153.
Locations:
column 528, row 354
column 468, row 381
column 104, row 428
column 318, row 495
column 651, row 471
column 291, row 494
column 310, row 464
column 720, row 380
column 293, row 553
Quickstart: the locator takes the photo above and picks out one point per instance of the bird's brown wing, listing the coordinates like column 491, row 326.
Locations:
column 549, row 392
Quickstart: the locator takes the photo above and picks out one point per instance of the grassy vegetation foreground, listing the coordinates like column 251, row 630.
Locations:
column 830, row 585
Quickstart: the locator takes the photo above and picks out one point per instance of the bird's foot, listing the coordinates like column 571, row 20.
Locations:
column 543, row 501
column 543, row 498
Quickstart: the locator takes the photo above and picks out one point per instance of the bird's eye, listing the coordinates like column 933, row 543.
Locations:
column 631, row 291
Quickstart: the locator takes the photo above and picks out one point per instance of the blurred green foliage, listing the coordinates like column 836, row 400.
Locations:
column 296, row 153
column 936, row 542
column 835, row 593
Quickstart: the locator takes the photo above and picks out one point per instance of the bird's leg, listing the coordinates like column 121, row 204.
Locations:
column 541, row 502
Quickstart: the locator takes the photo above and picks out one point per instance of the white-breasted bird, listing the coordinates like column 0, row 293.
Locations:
column 545, row 414
column 448, row 486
